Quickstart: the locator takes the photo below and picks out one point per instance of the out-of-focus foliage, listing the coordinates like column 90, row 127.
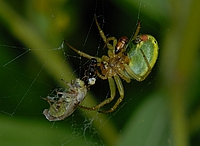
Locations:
column 162, row 110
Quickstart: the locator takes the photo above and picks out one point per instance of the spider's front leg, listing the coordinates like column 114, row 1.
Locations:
column 111, row 47
column 106, row 40
column 82, row 53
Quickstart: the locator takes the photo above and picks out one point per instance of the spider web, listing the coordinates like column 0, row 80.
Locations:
column 32, row 72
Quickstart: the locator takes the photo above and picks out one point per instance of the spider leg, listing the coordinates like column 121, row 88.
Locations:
column 123, row 75
column 132, row 74
column 121, row 92
column 137, row 30
column 109, row 46
column 100, row 76
column 100, row 30
column 83, row 54
column 106, row 101
column 106, row 40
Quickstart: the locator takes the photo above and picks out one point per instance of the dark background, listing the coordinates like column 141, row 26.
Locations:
column 162, row 110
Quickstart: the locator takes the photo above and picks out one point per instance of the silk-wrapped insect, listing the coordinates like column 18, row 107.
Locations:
column 64, row 103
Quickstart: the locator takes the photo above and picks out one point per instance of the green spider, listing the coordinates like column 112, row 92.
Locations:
column 128, row 60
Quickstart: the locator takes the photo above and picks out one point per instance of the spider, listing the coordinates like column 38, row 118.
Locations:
column 133, row 59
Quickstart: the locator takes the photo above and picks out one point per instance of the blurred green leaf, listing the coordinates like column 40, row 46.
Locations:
column 149, row 124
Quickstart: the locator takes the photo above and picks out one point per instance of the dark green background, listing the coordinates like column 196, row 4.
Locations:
column 162, row 110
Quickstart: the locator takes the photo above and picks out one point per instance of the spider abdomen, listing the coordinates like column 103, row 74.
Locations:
column 143, row 55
